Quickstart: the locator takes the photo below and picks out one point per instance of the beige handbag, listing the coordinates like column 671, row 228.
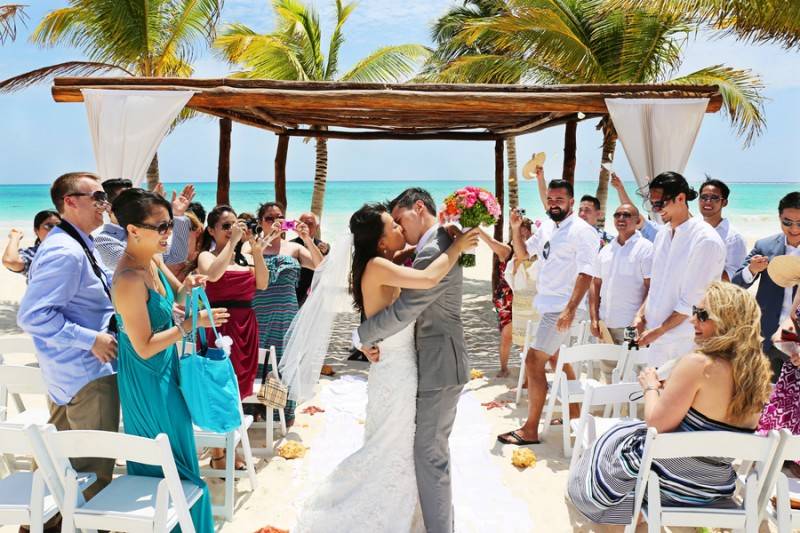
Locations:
column 273, row 393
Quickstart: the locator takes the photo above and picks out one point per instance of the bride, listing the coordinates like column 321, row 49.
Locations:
column 374, row 489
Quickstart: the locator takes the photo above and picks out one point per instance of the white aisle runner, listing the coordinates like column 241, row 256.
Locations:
column 482, row 502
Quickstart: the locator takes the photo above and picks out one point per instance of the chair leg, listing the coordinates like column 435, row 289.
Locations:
column 269, row 431
column 566, row 429
column 230, row 478
column 551, row 403
column 248, row 457
column 282, row 417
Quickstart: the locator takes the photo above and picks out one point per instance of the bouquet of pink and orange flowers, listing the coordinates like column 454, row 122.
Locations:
column 471, row 207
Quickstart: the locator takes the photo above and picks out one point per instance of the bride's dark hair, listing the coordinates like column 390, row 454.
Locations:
column 367, row 229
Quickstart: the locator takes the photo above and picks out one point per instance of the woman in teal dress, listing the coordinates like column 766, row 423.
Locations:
column 143, row 296
column 276, row 306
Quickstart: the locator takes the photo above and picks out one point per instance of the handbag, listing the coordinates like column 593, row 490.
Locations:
column 206, row 377
column 272, row 393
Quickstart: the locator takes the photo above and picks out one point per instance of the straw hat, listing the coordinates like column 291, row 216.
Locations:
column 785, row 270
column 529, row 170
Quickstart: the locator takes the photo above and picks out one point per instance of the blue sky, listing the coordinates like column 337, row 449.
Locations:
column 40, row 139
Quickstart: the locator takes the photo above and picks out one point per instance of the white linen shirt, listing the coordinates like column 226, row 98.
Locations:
column 564, row 251
column 623, row 268
column 684, row 265
column 735, row 247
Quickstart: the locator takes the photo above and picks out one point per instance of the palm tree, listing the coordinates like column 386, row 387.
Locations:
column 9, row 15
column 157, row 38
column 757, row 21
column 293, row 51
column 586, row 41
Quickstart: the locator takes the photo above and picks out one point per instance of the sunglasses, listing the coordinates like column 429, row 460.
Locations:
column 99, row 197
column 789, row 223
column 622, row 215
column 270, row 220
column 162, row 228
column 710, row 198
column 700, row 313
column 227, row 225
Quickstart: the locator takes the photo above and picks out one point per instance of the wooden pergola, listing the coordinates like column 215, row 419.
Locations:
column 369, row 111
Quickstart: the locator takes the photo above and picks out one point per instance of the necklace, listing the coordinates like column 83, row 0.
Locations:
column 152, row 276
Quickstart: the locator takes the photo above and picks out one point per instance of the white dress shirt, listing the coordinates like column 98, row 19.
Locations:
column 564, row 251
column 735, row 247
column 623, row 269
column 685, row 262
column 788, row 298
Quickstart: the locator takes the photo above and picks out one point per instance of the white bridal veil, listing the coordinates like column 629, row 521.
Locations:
column 306, row 341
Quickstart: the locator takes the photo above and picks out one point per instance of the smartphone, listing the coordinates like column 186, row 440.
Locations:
column 288, row 225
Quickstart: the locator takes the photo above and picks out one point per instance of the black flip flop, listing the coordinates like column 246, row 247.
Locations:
column 514, row 438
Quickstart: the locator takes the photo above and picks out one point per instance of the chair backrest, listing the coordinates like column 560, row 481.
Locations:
column 14, row 440
column 20, row 379
column 614, row 393
column 21, row 344
column 634, row 359
column 269, row 357
column 591, row 352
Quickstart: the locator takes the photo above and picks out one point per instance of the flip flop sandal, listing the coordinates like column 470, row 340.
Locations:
column 514, row 438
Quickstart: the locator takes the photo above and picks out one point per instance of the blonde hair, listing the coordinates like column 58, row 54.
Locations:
column 194, row 221
column 737, row 339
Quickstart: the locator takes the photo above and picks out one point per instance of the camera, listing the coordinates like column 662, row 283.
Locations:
column 253, row 226
column 288, row 225
column 521, row 211
column 629, row 336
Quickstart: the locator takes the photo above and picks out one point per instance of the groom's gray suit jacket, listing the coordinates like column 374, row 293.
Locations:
column 441, row 356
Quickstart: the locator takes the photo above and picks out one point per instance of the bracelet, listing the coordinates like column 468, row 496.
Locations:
column 181, row 330
column 649, row 388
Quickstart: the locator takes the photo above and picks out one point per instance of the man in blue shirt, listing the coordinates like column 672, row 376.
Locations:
column 67, row 310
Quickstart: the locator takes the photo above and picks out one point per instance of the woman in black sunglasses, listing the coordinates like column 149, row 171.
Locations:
column 18, row 259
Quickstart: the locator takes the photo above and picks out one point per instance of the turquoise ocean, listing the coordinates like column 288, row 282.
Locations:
column 752, row 208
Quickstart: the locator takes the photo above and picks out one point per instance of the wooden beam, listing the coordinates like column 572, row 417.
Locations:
column 240, row 118
column 280, row 169
column 499, row 194
column 224, row 165
column 386, row 135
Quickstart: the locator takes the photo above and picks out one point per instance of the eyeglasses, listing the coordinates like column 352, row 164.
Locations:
column 710, row 198
column 700, row 313
column 618, row 216
column 789, row 223
column 100, row 198
column 162, row 228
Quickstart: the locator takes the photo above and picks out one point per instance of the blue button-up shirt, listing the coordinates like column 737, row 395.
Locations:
column 64, row 309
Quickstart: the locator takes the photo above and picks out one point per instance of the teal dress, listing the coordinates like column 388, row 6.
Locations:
column 152, row 403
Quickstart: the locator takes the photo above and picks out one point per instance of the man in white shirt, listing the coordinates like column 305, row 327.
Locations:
column 688, row 255
column 713, row 198
column 566, row 248
column 622, row 276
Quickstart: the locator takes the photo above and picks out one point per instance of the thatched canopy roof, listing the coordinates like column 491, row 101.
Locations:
column 391, row 111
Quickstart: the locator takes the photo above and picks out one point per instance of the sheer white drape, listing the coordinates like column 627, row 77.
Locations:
column 656, row 134
column 128, row 126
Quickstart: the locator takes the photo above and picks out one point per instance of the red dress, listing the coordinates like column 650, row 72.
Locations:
column 235, row 291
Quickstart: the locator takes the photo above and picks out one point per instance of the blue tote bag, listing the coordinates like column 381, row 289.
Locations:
column 207, row 380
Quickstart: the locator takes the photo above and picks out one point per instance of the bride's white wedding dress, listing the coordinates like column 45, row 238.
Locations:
column 375, row 489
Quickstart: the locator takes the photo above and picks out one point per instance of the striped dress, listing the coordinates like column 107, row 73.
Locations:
column 276, row 307
column 602, row 484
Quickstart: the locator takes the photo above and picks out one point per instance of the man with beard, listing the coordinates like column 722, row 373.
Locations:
column 566, row 248
column 688, row 255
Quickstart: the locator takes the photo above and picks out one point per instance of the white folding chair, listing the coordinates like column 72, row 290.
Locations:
column 781, row 514
column 24, row 497
column 269, row 448
column 229, row 442
column 589, row 427
column 566, row 391
column 17, row 344
column 730, row 514
column 578, row 334
column 14, row 381
column 129, row 503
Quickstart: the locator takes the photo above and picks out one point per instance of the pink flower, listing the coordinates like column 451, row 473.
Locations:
column 484, row 196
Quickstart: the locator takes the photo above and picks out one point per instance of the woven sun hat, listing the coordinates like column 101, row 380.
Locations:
column 785, row 270
column 529, row 170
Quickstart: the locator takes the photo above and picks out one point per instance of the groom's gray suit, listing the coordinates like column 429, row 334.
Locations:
column 443, row 369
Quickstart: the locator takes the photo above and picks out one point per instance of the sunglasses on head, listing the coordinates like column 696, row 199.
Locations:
column 711, row 198
column 789, row 223
column 99, row 197
column 700, row 313
column 162, row 228
column 623, row 215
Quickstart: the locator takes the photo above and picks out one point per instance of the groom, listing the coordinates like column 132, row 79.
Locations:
column 441, row 357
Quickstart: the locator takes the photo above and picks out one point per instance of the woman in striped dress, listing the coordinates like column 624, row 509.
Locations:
column 276, row 306
column 721, row 387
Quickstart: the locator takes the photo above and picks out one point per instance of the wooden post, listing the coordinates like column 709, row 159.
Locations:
column 224, row 165
column 498, row 192
column 280, row 169
column 570, row 149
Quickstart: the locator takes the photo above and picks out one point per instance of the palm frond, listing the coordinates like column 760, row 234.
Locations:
column 389, row 64
column 741, row 96
column 343, row 12
column 189, row 23
column 46, row 74
column 10, row 14
column 301, row 23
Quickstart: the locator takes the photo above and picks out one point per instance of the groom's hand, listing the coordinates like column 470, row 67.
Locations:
column 373, row 353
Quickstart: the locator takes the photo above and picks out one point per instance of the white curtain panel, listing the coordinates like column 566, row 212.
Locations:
column 128, row 126
column 657, row 134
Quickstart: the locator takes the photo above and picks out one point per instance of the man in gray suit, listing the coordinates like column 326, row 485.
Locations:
column 441, row 356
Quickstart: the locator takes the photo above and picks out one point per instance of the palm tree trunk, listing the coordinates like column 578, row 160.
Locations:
column 570, row 150
column 224, row 165
column 609, row 145
column 513, row 184
column 320, row 178
column 280, row 169
column 152, row 173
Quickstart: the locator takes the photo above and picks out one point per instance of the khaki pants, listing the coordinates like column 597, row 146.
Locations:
column 606, row 367
column 96, row 406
